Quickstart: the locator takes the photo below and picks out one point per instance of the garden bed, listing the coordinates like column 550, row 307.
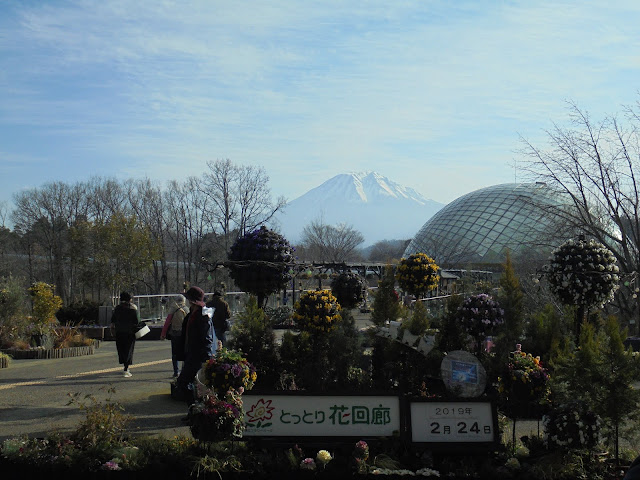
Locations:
column 48, row 353
column 95, row 332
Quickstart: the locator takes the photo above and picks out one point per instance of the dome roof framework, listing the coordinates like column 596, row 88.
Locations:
column 480, row 226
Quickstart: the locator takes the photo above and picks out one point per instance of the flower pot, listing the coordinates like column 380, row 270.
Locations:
column 201, row 389
column 394, row 328
column 426, row 344
column 409, row 338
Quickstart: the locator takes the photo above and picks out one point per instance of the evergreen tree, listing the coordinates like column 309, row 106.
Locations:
column 253, row 335
column 510, row 297
column 618, row 399
column 451, row 335
column 386, row 304
column 547, row 334
column 601, row 373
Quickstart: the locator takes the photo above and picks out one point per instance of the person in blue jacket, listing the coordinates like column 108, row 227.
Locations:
column 199, row 342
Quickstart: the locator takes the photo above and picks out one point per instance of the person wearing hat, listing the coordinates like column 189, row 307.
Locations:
column 172, row 329
column 221, row 316
column 199, row 341
column 124, row 322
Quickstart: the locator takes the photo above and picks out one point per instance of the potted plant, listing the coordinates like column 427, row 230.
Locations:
column 226, row 370
column 213, row 419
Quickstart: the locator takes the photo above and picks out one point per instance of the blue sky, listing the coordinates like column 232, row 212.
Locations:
column 434, row 95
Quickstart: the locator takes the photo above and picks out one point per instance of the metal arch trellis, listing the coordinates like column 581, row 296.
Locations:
column 362, row 268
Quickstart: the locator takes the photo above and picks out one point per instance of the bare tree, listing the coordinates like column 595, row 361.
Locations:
column 49, row 212
column 239, row 199
column 596, row 165
column 106, row 197
column 187, row 204
column 147, row 203
column 254, row 199
column 324, row 242
column 387, row 250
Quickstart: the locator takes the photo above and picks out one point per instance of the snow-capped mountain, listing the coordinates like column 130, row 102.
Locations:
column 377, row 207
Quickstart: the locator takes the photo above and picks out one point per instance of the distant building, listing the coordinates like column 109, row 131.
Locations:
column 479, row 227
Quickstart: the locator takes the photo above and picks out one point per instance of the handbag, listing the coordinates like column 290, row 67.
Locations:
column 142, row 330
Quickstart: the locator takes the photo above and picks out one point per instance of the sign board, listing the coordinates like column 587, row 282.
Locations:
column 453, row 422
column 320, row 415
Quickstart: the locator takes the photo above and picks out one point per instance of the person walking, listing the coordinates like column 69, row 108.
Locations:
column 199, row 342
column 124, row 322
column 221, row 316
column 172, row 329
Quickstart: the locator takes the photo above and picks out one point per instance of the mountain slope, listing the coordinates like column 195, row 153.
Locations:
column 377, row 207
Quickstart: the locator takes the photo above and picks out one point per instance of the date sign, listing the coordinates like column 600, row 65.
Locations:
column 453, row 422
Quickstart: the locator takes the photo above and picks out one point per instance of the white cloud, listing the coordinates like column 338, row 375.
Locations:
column 306, row 89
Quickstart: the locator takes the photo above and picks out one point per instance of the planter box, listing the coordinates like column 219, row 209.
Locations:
column 43, row 353
column 93, row 332
column 97, row 333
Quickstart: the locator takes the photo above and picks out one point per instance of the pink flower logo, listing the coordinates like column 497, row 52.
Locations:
column 260, row 412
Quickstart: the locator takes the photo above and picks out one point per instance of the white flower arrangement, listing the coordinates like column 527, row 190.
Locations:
column 571, row 426
column 583, row 273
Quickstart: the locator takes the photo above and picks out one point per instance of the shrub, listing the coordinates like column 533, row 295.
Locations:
column 45, row 305
column 418, row 323
column 252, row 334
column 78, row 313
column 12, row 311
column 104, row 425
column 348, row 288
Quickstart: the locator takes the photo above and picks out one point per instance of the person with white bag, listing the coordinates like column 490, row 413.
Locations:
column 124, row 322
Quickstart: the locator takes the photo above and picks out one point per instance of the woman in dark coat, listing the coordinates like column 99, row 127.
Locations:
column 198, row 340
column 124, row 321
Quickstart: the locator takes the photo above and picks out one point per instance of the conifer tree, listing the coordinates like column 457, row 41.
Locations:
column 386, row 304
column 510, row 298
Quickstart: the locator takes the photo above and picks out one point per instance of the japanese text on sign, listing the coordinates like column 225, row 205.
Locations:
column 285, row 415
column 443, row 422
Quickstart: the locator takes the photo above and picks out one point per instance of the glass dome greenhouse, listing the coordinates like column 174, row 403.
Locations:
column 481, row 226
